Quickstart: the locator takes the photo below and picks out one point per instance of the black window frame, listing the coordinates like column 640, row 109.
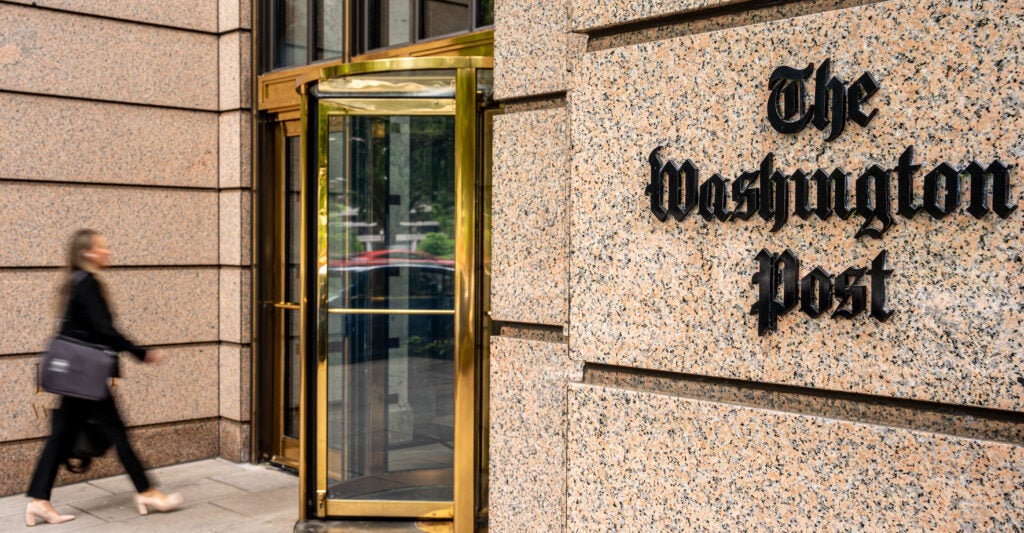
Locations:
column 271, row 14
column 359, row 32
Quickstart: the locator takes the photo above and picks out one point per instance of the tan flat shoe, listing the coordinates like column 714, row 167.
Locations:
column 162, row 503
column 46, row 512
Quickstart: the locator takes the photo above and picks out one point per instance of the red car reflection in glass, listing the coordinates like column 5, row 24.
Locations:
column 390, row 257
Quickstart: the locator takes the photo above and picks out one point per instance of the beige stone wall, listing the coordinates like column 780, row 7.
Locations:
column 132, row 118
column 664, row 409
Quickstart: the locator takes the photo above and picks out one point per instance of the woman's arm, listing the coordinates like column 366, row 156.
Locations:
column 96, row 313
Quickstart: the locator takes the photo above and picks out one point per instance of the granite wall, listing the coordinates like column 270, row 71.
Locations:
column 878, row 385
column 132, row 118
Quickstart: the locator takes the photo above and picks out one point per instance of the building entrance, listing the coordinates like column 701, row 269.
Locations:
column 392, row 414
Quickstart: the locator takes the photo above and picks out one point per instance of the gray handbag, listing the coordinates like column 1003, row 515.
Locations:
column 76, row 368
column 73, row 367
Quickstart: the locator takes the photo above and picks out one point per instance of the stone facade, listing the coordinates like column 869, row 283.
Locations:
column 664, row 407
column 134, row 120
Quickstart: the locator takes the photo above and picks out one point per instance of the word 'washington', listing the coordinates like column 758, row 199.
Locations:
column 766, row 192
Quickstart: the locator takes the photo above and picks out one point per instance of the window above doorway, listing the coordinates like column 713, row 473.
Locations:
column 302, row 32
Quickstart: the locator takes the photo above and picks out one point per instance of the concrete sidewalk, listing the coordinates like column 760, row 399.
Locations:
column 220, row 496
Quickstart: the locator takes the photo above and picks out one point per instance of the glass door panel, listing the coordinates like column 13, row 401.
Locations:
column 292, row 293
column 390, row 305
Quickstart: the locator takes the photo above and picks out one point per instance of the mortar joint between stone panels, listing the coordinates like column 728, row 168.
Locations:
column 983, row 423
column 598, row 35
column 106, row 184
column 529, row 331
column 535, row 102
column 95, row 100
column 109, row 18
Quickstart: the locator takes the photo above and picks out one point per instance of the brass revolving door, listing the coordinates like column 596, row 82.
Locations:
column 393, row 365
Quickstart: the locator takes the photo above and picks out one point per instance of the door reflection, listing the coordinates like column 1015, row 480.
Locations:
column 391, row 287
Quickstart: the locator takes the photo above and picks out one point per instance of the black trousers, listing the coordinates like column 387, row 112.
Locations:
column 67, row 422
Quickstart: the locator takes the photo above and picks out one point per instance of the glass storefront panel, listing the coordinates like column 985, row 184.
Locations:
column 330, row 28
column 291, row 27
column 390, row 22
column 444, row 17
column 484, row 13
column 292, row 286
column 390, row 298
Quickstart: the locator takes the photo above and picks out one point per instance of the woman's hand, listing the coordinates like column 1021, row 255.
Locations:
column 154, row 357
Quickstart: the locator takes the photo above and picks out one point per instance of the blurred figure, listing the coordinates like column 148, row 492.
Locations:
column 87, row 317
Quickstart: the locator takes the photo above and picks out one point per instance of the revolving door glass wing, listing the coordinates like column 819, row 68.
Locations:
column 391, row 306
column 397, row 379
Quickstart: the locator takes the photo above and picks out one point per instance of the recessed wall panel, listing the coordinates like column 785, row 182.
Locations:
column 649, row 462
column 63, row 54
column 532, row 47
column 527, row 434
column 200, row 15
column 530, row 248
column 144, row 226
column 678, row 295
column 67, row 140
column 152, row 306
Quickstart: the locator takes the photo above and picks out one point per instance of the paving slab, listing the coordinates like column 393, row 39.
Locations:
column 219, row 496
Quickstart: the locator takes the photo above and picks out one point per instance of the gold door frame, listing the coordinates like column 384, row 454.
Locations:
column 284, row 450
column 462, row 510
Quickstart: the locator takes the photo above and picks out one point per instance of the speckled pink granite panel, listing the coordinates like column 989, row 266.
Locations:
column 235, row 441
column 188, row 375
column 61, row 54
column 647, row 462
column 235, row 51
column 235, row 305
column 235, row 374
column 189, row 14
column 183, row 387
column 156, row 446
column 590, row 14
column 76, row 141
column 144, row 226
column 530, row 248
column 235, row 149
column 235, row 227
column 532, row 47
column 676, row 296
column 235, row 14
column 527, row 435
column 153, row 306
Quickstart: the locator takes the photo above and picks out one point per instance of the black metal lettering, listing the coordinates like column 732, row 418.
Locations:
column 712, row 198
column 827, row 87
column 861, row 90
column 775, row 271
column 801, row 195
column 879, row 282
column 816, row 292
column 764, row 280
column 787, row 87
column 692, row 175
column 1000, row 180
column 780, row 186
column 656, row 188
column 766, row 207
column 848, row 291
column 745, row 196
column 905, row 170
column 878, row 208
column 943, row 181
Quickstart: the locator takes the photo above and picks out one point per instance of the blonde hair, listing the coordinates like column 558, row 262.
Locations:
column 82, row 241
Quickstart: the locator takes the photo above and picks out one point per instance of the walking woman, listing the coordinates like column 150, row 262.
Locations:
column 88, row 317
